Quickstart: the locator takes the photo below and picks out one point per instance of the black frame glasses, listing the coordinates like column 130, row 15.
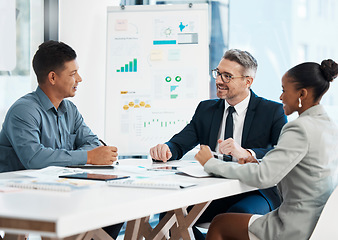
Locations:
column 226, row 77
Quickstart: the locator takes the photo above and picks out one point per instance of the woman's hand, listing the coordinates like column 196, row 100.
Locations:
column 204, row 154
column 250, row 159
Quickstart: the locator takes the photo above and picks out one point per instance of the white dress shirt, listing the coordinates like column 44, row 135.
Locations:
column 238, row 118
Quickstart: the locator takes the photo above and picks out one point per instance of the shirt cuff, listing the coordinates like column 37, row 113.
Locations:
column 252, row 152
column 79, row 157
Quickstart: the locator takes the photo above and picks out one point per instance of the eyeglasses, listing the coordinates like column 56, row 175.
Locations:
column 226, row 77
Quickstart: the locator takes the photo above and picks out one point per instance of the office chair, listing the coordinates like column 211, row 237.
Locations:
column 326, row 227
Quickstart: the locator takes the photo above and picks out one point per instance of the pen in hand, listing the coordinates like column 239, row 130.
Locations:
column 104, row 144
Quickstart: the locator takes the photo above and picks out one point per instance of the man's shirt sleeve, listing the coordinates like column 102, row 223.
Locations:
column 24, row 128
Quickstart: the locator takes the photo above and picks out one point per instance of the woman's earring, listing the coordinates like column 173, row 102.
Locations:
column 299, row 103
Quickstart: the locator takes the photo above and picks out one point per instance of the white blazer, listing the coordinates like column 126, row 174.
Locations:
column 304, row 164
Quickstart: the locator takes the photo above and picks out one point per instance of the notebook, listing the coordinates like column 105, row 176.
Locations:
column 149, row 183
column 62, row 185
column 40, row 186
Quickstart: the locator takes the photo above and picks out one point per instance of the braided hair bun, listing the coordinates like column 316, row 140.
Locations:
column 329, row 69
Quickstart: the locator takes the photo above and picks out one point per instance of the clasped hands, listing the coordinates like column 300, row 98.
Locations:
column 228, row 147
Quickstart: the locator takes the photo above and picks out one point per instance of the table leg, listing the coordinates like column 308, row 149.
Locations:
column 185, row 221
column 132, row 229
column 161, row 231
column 178, row 221
column 98, row 234
column 139, row 228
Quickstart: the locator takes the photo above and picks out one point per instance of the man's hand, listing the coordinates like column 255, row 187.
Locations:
column 204, row 154
column 161, row 152
column 250, row 159
column 230, row 147
column 102, row 155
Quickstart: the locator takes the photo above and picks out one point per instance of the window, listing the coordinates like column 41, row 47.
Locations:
column 16, row 80
column 282, row 34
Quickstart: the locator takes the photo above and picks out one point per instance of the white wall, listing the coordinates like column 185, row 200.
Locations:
column 82, row 25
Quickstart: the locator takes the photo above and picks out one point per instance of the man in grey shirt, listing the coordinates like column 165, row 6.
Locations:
column 44, row 129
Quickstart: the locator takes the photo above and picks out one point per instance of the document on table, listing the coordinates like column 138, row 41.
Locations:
column 47, row 179
column 149, row 183
column 196, row 170
column 50, row 172
column 185, row 167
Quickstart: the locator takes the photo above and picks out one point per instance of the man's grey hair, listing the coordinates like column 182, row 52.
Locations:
column 243, row 58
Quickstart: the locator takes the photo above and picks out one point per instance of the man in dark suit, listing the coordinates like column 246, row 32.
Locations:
column 252, row 128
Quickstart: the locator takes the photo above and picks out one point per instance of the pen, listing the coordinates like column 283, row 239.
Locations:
column 224, row 157
column 103, row 143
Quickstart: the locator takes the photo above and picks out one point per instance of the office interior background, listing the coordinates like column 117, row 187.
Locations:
column 280, row 34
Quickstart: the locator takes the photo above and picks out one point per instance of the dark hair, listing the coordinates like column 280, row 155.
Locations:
column 315, row 76
column 243, row 58
column 51, row 56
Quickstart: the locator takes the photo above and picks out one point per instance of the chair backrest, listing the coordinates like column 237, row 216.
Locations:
column 327, row 225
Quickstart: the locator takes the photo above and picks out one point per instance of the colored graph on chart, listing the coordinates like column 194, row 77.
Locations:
column 131, row 66
column 174, row 84
column 174, row 91
column 136, row 104
column 131, row 100
column 157, row 123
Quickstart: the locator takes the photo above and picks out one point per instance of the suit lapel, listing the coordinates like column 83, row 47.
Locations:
column 250, row 114
column 215, row 124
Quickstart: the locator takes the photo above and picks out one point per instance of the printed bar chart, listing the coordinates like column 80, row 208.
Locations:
column 135, row 65
column 160, row 123
column 131, row 66
column 163, row 42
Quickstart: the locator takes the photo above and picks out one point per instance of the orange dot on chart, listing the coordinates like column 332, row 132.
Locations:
column 131, row 104
column 147, row 106
column 137, row 106
column 125, row 107
column 142, row 104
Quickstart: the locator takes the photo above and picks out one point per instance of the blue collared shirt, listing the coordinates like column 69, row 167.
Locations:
column 35, row 134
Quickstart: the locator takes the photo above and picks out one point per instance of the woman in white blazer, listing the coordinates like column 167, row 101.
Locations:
column 303, row 164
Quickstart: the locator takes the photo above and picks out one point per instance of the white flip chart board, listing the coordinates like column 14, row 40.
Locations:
column 157, row 72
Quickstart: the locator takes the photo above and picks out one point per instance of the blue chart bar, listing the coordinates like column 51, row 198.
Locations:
column 163, row 42
column 131, row 66
column 135, row 65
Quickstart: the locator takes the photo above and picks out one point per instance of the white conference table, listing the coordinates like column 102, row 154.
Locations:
column 72, row 215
